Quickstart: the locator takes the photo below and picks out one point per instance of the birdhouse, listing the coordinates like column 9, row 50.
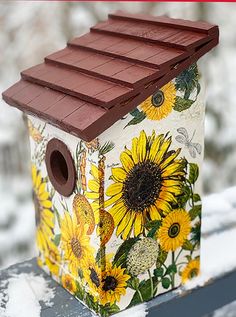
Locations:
column 116, row 132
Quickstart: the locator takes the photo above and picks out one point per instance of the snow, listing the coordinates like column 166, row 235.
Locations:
column 24, row 294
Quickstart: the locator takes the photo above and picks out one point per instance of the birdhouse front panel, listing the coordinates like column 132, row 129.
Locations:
column 116, row 128
column 127, row 227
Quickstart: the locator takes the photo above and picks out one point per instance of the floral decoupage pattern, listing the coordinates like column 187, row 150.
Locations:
column 131, row 229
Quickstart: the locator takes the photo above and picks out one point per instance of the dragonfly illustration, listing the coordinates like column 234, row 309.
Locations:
column 192, row 147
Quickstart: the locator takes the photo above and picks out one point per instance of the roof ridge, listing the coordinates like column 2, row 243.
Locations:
column 194, row 26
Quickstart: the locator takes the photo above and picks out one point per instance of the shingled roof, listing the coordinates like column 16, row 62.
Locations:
column 101, row 76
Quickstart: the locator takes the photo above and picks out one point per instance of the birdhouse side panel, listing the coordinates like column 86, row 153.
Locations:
column 65, row 226
column 152, row 187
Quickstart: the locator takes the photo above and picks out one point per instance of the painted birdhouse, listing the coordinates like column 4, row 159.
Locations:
column 116, row 132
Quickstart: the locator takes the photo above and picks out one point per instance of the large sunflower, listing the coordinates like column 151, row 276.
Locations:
column 113, row 285
column 160, row 104
column 43, row 213
column 146, row 184
column 75, row 243
column 191, row 270
column 174, row 230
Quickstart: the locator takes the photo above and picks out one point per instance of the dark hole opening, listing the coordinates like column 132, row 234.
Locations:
column 59, row 167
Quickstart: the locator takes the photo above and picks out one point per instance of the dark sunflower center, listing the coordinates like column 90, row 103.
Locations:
column 142, row 186
column 174, row 230
column 193, row 273
column 158, row 98
column 76, row 247
column 94, row 277
column 37, row 209
column 68, row 284
column 110, row 283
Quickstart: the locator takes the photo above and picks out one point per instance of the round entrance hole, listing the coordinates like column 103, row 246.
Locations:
column 60, row 167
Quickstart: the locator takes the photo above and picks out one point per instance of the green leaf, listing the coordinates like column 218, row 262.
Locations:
column 196, row 233
column 153, row 231
column 182, row 104
column 195, row 212
column 159, row 272
column 135, row 112
column 137, row 119
column 145, row 290
column 56, row 212
column 193, row 172
column 187, row 80
column 133, row 283
column 79, row 291
column 122, row 252
column 171, row 269
column 165, row 282
column 106, row 147
column 184, row 197
column 152, row 224
column 91, row 303
column 57, row 239
column 108, row 310
column 188, row 246
column 196, row 198
column 162, row 256
column 189, row 258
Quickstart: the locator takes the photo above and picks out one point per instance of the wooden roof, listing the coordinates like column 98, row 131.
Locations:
column 101, row 76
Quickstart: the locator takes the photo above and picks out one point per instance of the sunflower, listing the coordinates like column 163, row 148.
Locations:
column 68, row 282
column 75, row 243
column 147, row 183
column 84, row 212
column 113, row 284
column 160, row 104
column 94, row 194
column 93, row 276
column 52, row 259
column 44, row 215
column 174, row 230
column 191, row 270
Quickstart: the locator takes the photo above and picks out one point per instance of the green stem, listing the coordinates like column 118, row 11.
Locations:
column 140, row 295
column 151, row 282
column 178, row 255
column 173, row 273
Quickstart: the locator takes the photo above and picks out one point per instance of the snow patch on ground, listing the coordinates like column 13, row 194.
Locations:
column 21, row 287
column 137, row 311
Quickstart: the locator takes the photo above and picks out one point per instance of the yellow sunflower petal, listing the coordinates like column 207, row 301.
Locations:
column 118, row 174
column 154, row 213
column 142, row 146
column 93, row 185
column 126, row 161
column 94, row 171
column 138, row 226
column 135, row 150
column 114, row 189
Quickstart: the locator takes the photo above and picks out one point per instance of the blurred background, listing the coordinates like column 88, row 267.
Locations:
column 31, row 30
